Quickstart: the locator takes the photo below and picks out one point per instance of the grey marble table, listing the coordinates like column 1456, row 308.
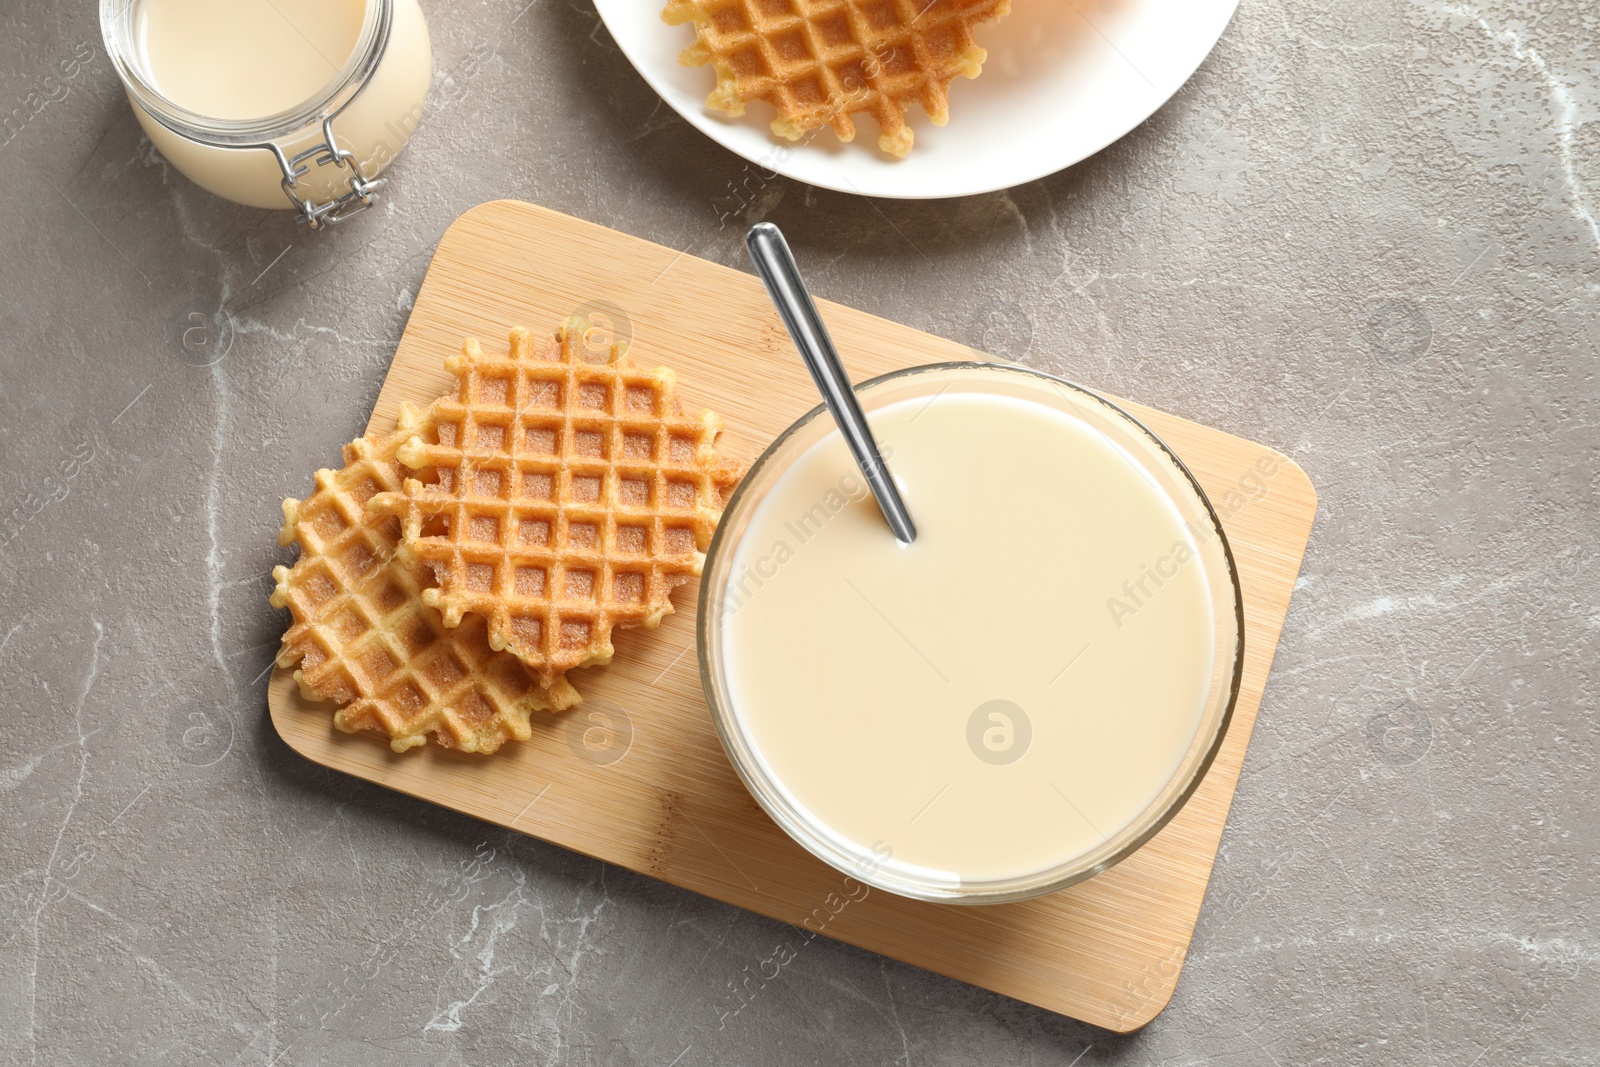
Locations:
column 1368, row 235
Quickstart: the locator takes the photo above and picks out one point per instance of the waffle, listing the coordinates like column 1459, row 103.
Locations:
column 818, row 62
column 571, row 496
column 364, row 639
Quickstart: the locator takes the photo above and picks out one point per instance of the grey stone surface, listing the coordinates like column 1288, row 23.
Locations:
column 1366, row 234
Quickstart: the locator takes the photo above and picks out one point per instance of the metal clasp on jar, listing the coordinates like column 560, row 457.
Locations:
column 328, row 153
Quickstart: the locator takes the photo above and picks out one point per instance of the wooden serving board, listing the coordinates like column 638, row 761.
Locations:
column 636, row 775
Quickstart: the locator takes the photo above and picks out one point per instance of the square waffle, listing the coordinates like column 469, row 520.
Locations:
column 818, row 62
column 567, row 497
column 362, row 635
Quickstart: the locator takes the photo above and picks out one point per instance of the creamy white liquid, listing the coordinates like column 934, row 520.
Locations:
column 245, row 59
column 249, row 59
column 856, row 664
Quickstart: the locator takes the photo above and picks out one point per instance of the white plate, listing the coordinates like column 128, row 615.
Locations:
column 1064, row 78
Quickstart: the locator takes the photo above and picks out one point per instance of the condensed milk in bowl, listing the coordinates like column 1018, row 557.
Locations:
column 296, row 104
column 1016, row 700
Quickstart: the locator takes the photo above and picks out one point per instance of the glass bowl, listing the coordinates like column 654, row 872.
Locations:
column 814, row 770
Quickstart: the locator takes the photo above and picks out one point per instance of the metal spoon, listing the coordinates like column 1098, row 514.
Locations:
column 776, row 265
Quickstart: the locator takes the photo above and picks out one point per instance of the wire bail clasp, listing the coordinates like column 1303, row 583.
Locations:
column 360, row 196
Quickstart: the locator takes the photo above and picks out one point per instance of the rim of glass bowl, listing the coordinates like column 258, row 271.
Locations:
column 998, row 891
column 116, row 30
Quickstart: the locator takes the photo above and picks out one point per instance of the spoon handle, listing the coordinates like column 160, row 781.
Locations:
column 776, row 266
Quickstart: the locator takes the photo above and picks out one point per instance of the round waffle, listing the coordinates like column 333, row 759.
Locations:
column 820, row 61
column 364, row 638
column 569, row 497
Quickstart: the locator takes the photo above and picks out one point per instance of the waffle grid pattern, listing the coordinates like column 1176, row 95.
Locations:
column 818, row 62
column 570, row 497
column 363, row 636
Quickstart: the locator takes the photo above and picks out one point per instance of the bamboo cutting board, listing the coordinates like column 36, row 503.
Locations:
column 636, row 775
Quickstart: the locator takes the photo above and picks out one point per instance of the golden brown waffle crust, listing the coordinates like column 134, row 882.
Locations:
column 570, row 495
column 362, row 636
column 818, row 62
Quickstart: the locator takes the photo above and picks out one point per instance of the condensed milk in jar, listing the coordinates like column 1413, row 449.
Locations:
column 296, row 104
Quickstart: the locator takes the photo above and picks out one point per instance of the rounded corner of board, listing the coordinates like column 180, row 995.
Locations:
column 481, row 212
column 1135, row 1019
column 1298, row 473
column 281, row 697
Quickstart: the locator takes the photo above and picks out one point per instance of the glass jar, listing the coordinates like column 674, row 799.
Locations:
column 856, row 690
column 320, row 156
